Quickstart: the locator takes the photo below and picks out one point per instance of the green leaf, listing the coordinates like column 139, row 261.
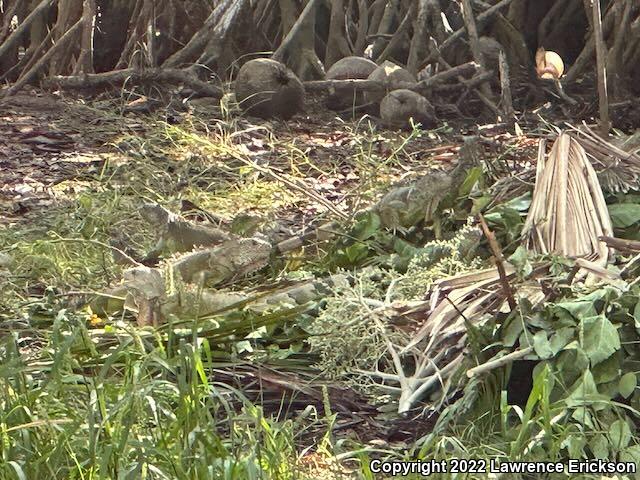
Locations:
column 624, row 215
column 631, row 454
column 575, row 445
column 600, row 447
column 561, row 339
column 584, row 393
column 512, row 331
column 627, row 384
column 473, row 177
column 599, row 338
column 607, row 371
column 367, row 226
column 541, row 345
column 520, row 260
column 619, row 434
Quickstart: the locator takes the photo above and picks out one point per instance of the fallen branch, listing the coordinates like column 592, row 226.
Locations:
column 422, row 87
column 120, row 77
column 498, row 362
column 497, row 253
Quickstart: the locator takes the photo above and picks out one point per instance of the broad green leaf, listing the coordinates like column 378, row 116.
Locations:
column 561, row 339
column 520, row 260
column 575, row 445
column 521, row 203
column 512, row 332
column 627, row 384
column 473, row 177
column 607, row 371
column 624, row 215
column 631, row 454
column 619, row 434
column 541, row 345
column 368, row 224
column 599, row 338
column 599, row 446
column 584, row 392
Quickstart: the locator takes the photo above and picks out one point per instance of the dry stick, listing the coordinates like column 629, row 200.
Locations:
column 497, row 253
column 487, row 101
column 24, row 26
column 499, row 362
column 460, row 32
column 85, row 60
column 601, row 58
column 397, row 36
column 119, row 77
column 621, row 244
column 288, row 40
column 30, row 75
column 373, row 85
column 505, row 85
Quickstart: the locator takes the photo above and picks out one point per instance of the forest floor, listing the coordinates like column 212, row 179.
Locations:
column 74, row 172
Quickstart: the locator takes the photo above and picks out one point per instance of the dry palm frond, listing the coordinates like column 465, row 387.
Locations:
column 618, row 167
column 616, row 162
column 568, row 212
column 437, row 349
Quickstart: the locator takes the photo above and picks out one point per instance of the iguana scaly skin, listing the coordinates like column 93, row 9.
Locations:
column 406, row 206
column 176, row 234
column 231, row 259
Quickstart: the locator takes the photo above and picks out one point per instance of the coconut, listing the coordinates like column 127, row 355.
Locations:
column 401, row 105
column 266, row 88
column 390, row 75
column 348, row 68
column 351, row 68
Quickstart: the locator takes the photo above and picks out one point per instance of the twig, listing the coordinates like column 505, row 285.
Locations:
column 505, row 86
column 499, row 362
column 497, row 252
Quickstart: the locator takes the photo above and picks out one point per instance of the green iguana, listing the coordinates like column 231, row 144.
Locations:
column 176, row 234
column 425, row 198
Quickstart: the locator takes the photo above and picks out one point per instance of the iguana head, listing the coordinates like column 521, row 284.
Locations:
column 155, row 214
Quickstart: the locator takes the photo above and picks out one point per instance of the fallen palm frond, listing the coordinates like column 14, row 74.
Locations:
column 436, row 350
column 568, row 213
column 616, row 163
column 618, row 167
